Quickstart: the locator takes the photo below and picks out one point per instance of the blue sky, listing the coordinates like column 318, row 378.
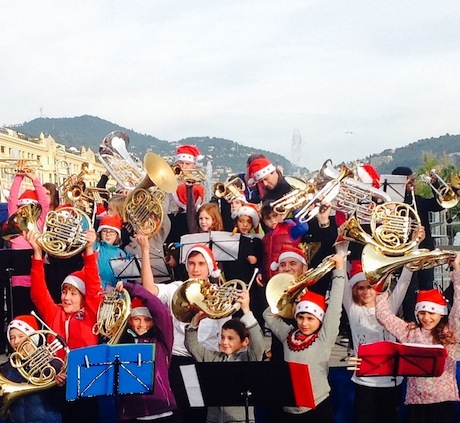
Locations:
column 353, row 77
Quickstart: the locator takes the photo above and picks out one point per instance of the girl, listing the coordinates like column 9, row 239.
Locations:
column 209, row 218
column 108, row 247
column 429, row 399
column 53, row 195
column 34, row 407
column 310, row 341
column 149, row 322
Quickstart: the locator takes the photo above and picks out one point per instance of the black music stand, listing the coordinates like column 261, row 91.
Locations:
column 248, row 383
column 126, row 267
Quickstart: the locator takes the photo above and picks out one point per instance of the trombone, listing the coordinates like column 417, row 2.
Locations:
column 445, row 195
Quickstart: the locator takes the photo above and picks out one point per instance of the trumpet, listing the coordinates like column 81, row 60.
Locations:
column 229, row 190
column 445, row 195
column 189, row 176
column 75, row 180
column 19, row 166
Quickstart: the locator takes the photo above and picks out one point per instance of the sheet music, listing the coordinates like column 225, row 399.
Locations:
column 192, row 385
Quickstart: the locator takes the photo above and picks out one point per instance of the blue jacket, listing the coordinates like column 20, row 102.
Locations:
column 106, row 253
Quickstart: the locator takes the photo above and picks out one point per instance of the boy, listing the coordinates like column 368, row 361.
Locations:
column 240, row 340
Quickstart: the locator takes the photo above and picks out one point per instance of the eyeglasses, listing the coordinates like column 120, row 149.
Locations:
column 109, row 231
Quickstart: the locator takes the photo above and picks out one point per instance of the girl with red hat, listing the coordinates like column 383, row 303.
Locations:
column 21, row 283
column 429, row 399
column 108, row 248
column 310, row 340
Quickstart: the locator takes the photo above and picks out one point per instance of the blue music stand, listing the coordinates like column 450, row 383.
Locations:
column 110, row 370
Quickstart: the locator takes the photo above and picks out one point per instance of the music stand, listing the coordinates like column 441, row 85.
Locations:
column 388, row 358
column 110, row 370
column 224, row 245
column 248, row 383
column 394, row 186
column 126, row 267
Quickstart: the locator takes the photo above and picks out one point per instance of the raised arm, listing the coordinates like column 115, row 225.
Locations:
column 148, row 280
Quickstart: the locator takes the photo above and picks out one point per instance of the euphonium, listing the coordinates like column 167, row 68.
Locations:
column 120, row 164
column 283, row 290
column 38, row 359
column 189, row 176
column 377, row 266
column 215, row 300
column 229, row 190
column 294, row 199
column 143, row 208
column 112, row 315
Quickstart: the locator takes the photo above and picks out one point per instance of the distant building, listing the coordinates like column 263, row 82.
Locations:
column 55, row 161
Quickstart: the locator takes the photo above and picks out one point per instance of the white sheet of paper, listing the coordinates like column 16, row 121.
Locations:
column 192, row 385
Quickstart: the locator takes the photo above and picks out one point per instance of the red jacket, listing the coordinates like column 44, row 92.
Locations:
column 272, row 243
column 78, row 332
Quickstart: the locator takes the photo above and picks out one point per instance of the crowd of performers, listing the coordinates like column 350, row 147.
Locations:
column 66, row 292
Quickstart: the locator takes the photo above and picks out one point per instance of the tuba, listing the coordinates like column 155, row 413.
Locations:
column 283, row 290
column 229, row 190
column 143, row 208
column 112, row 315
column 217, row 301
column 378, row 267
column 119, row 163
column 38, row 359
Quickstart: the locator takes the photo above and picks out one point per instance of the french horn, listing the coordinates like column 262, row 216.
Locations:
column 143, row 208
column 217, row 301
column 377, row 266
column 38, row 359
column 112, row 315
column 283, row 291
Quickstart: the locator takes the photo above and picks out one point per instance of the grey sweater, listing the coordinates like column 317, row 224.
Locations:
column 318, row 353
column 254, row 352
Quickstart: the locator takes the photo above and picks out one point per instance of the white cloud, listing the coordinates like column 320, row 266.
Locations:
column 247, row 71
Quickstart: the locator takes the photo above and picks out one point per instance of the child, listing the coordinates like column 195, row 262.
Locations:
column 429, row 399
column 108, row 247
column 33, row 407
column 240, row 340
column 21, row 283
column 278, row 232
column 75, row 316
column 310, row 341
column 209, row 218
column 376, row 398
column 149, row 322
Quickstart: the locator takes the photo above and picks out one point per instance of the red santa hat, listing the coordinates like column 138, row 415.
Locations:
column 139, row 309
column 208, row 255
column 259, row 169
column 312, row 303
column 111, row 222
column 27, row 324
column 432, row 301
column 368, row 175
column 250, row 210
column 29, row 196
column 356, row 273
column 180, row 196
column 188, row 153
column 288, row 251
column 77, row 280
